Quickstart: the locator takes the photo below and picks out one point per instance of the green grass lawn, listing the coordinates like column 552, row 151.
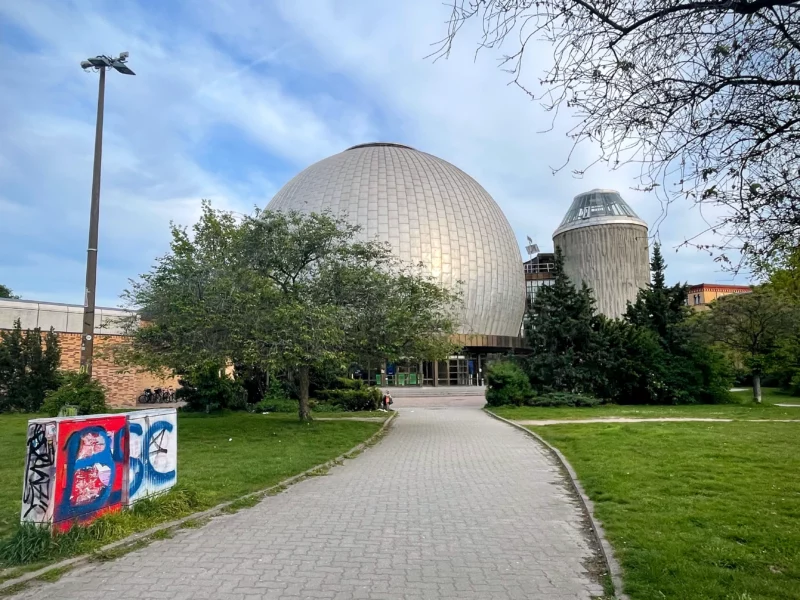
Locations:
column 219, row 458
column 263, row 450
column 742, row 408
column 13, row 432
column 350, row 415
column 694, row 510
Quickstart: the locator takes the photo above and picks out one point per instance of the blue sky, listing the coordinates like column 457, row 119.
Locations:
column 231, row 99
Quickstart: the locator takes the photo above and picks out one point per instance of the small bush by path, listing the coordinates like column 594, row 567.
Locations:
column 707, row 511
column 220, row 457
column 742, row 408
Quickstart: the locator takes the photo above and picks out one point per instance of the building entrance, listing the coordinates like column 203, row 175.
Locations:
column 460, row 369
column 465, row 369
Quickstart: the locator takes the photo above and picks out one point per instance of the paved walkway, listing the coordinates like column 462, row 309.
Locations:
column 451, row 504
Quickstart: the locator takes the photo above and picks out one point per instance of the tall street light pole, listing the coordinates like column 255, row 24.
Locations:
column 98, row 63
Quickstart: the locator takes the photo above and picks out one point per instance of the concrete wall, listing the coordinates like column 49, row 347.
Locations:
column 613, row 259
column 67, row 318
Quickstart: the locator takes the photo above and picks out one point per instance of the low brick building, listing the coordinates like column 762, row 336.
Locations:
column 123, row 388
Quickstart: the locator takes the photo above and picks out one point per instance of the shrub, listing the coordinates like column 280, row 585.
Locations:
column 357, row 396
column 276, row 405
column 635, row 366
column 76, row 389
column 507, row 384
column 563, row 399
column 713, row 375
column 325, row 407
column 345, row 383
column 206, row 388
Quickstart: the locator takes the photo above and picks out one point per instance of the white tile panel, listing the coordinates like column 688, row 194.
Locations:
column 52, row 315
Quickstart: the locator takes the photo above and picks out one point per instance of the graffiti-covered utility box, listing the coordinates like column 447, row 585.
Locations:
column 75, row 469
column 153, row 456
column 78, row 468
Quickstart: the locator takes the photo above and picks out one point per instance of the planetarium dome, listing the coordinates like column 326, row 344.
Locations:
column 430, row 212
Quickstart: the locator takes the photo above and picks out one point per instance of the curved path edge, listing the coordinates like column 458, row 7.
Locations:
column 211, row 512
column 614, row 569
column 544, row 422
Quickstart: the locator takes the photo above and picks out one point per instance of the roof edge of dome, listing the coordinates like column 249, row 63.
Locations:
column 602, row 190
column 374, row 144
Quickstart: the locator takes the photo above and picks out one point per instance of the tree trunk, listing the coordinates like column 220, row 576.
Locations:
column 302, row 392
column 757, row 387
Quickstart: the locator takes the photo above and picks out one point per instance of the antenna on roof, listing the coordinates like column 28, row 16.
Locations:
column 532, row 249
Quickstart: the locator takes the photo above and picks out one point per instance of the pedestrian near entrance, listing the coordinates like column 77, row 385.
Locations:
column 387, row 400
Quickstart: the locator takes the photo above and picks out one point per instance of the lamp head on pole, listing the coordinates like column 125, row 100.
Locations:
column 106, row 62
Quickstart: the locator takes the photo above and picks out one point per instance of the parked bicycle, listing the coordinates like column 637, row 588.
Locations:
column 157, row 396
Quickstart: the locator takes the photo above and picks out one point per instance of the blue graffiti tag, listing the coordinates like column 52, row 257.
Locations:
column 152, row 444
column 134, row 463
column 105, row 458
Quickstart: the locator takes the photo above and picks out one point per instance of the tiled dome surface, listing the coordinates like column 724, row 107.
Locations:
column 430, row 212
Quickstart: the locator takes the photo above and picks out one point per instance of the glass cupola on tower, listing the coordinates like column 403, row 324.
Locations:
column 595, row 207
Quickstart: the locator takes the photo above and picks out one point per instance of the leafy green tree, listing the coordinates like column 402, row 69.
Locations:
column 5, row 292
column 27, row 370
column 562, row 333
column 751, row 325
column 284, row 292
column 783, row 364
column 783, row 276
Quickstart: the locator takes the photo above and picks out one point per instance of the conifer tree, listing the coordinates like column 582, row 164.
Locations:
column 689, row 371
column 27, row 370
column 562, row 334
column 659, row 307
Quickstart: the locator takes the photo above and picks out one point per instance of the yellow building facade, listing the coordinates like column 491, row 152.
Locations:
column 701, row 295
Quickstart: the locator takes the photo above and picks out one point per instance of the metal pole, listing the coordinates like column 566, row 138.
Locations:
column 87, row 336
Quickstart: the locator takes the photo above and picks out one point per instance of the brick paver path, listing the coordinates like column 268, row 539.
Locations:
column 451, row 504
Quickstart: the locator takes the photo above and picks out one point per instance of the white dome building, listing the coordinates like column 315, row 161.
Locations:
column 430, row 212
column 434, row 214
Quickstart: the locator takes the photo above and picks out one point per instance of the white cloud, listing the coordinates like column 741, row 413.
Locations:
column 160, row 126
column 284, row 86
column 463, row 110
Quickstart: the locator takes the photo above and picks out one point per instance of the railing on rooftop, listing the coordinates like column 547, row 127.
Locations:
column 540, row 268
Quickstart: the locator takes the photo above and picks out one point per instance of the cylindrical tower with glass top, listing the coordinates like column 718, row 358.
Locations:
column 605, row 245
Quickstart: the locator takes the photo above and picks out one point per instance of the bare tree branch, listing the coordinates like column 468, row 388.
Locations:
column 703, row 95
